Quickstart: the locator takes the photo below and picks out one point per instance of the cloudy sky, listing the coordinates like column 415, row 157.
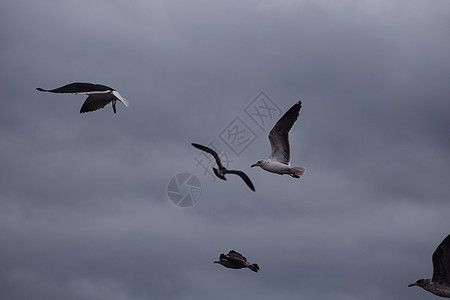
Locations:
column 84, row 207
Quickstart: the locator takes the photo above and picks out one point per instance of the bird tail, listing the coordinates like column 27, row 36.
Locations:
column 296, row 172
column 254, row 267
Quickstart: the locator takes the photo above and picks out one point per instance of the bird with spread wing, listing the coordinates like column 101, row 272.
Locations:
column 280, row 158
column 221, row 170
column 98, row 95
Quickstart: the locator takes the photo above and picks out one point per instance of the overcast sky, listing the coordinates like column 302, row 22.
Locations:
column 84, row 208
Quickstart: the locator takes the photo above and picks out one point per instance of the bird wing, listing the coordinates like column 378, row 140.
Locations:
column 236, row 256
column 441, row 262
column 96, row 101
column 243, row 176
column 279, row 135
column 80, row 87
column 210, row 151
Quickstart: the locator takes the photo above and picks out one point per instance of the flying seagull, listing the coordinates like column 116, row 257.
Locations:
column 440, row 283
column 98, row 95
column 235, row 260
column 279, row 160
column 222, row 170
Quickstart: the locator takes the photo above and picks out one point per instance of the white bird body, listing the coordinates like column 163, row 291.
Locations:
column 275, row 167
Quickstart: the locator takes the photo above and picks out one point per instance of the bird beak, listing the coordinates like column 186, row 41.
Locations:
column 216, row 261
column 254, row 165
column 412, row 284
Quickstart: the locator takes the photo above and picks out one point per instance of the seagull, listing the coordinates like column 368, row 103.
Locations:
column 279, row 160
column 440, row 283
column 235, row 260
column 98, row 95
column 222, row 170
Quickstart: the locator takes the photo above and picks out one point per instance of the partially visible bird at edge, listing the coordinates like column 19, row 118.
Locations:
column 439, row 284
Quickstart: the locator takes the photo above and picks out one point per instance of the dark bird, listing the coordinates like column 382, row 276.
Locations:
column 221, row 171
column 235, row 260
column 439, row 284
column 279, row 160
column 98, row 95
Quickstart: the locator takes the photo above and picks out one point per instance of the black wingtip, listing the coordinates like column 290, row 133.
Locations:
column 204, row 148
column 250, row 185
column 198, row 146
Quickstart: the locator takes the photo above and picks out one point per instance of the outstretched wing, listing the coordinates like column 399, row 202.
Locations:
column 236, row 256
column 441, row 262
column 279, row 135
column 96, row 101
column 80, row 87
column 243, row 176
column 210, row 151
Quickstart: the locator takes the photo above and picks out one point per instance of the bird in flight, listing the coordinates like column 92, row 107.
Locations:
column 279, row 160
column 439, row 284
column 235, row 260
column 221, row 171
column 98, row 95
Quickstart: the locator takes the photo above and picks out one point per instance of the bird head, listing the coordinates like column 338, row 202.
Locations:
column 259, row 163
column 420, row 282
column 220, row 262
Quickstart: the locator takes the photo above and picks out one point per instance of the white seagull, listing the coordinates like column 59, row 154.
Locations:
column 235, row 260
column 439, row 284
column 98, row 95
column 279, row 160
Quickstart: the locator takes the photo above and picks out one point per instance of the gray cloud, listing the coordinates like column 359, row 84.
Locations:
column 83, row 207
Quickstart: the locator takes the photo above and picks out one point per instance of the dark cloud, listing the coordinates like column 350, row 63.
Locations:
column 84, row 212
